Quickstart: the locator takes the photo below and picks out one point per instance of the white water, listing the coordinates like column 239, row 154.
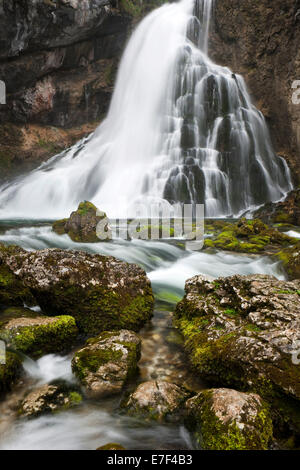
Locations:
column 179, row 128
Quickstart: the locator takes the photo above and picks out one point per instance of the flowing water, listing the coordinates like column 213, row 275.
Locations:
column 180, row 129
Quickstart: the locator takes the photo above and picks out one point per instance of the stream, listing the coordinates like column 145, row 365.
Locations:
column 95, row 423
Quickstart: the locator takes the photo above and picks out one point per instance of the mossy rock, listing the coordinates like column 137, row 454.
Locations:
column 100, row 292
column 82, row 224
column 38, row 335
column 107, row 362
column 290, row 258
column 9, row 372
column 52, row 398
column 224, row 419
column 241, row 332
column 247, row 236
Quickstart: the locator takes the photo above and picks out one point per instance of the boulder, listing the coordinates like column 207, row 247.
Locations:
column 106, row 363
column 224, row 419
column 283, row 212
column 49, row 399
column 82, row 224
column 9, row 372
column 157, row 400
column 34, row 334
column 244, row 332
column 100, row 292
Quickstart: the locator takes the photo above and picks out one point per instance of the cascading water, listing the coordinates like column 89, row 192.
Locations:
column 180, row 129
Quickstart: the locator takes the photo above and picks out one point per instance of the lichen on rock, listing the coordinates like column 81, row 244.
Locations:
column 225, row 419
column 107, row 362
column 156, row 400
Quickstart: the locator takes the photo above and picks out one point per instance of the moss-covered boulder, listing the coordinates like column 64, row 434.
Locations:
column 49, row 399
column 36, row 335
column 100, row 292
column 107, row 362
column 111, row 446
column 247, row 236
column 12, row 291
column 9, row 372
column 224, row 419
column 81, row 226
column 156, row 400
column 244, row 332
column 290, row 258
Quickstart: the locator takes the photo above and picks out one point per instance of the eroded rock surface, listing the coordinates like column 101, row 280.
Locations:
column 105, row 364
column 243, row 331
column 225, row 419
column 157, row 400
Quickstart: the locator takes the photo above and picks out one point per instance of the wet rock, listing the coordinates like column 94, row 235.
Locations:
column 49, row 399
column 247, row 236
column 82, row 224
column 105, row 364
column 111, row 446
column 36, row 335
column 224, row 419
column 157, row 400
column 100, row 292
column 290, row 258
column 286, row 212
column 244, row 331
column 9, row 372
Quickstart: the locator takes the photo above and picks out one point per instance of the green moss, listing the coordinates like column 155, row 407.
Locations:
column 90, row 361
column 46, row 338
column 12, row 291
column 75, row 398
column 9, row 372
column 111, row 446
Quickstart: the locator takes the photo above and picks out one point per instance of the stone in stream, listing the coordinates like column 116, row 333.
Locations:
column 290, row 258
column 100, row 292
column 158, row 400
column 111, row 446
column 82, row 224
column 9, row 372
column 49, row 399
column 35, row 334
column 225, row 419
column 107, row 362
column 244, row 331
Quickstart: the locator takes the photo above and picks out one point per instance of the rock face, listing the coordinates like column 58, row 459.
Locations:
column 261, row 41
column 157, row 400
column 100, row 292
column 82, row 223
column 244, row 331
column 225, row 419
column 9, row 372
column 107, row 362
column 36, row 335
column 49, row 399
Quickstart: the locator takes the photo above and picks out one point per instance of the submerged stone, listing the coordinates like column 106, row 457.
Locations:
column 107, row 362
column 156, row 399
column 224, row 419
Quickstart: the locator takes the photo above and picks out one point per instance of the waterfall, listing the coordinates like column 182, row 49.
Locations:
column 179, row 129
